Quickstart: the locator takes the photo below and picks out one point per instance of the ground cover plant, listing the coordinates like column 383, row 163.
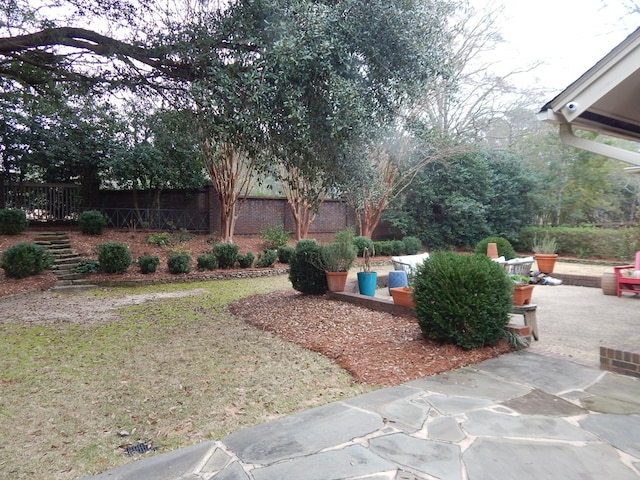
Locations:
column 175, row 371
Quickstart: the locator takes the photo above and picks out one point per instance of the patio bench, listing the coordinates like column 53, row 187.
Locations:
column 408, row 263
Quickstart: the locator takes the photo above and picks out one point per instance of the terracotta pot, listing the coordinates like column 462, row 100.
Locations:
column 336, row 281
column 522, row 294
column 402, row 296
column 608, row 283
column 546, row 261
column 492, row 250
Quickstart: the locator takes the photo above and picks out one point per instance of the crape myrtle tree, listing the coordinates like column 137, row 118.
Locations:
column 312, row 80
column 342, row 70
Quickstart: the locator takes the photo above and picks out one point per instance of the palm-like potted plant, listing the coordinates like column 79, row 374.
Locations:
column 337, row 258
column 545, row 253
column 367, row 280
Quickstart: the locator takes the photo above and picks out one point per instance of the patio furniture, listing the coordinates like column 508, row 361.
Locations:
column 628, row 278
column 408, row 263
column 516, row 266
column 529, row 313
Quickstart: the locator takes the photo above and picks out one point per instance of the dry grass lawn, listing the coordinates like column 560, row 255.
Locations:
column 174, row 372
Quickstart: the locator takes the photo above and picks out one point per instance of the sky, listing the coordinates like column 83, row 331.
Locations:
column 568, row 36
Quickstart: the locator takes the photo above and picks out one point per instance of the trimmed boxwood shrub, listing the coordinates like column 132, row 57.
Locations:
column 24, row 259
column 462, row 299
column 285, row 254
column 361, row 243
column 412, row 245
column 383, row 248
column 113, row 257
column 225, row 254
column 266, row 259
column 12, row 221
column 207, row 261
column 179, row 262
column 92, row 222
column 148, row 263
column 504, row 247
column 304, row 273
column 246, row 260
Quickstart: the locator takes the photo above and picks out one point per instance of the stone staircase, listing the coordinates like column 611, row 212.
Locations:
column 65, row 261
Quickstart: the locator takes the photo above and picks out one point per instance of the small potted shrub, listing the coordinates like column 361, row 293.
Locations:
column 337, row 258
column 544, row 250
column 522, row 289
column 367, row 280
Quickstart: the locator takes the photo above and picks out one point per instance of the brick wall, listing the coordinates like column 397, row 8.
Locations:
column 621, row 360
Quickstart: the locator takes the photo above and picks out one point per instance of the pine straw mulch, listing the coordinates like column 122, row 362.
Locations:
column 375, row 347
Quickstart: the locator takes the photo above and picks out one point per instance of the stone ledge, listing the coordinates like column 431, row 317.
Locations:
column 623, row 360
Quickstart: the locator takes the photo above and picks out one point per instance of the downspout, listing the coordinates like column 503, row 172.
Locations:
column 569, row 138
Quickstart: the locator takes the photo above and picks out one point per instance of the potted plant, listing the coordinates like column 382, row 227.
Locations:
column 545, row 253
column 522, row 289
column 337, row 258
column 402, row 296
column 367, row 280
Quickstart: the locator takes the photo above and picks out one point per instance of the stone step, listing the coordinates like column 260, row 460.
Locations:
column 68, row 260
column 58, row 247
column 68, row 277
column 72, row 287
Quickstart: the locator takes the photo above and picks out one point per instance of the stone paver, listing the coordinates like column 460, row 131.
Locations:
column 488, row 421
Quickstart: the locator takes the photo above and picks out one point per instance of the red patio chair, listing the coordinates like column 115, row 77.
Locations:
column 628, row 277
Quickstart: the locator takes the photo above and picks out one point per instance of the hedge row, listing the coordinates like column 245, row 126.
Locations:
column 585, row 242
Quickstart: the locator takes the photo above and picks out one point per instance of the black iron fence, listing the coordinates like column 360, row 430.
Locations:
column 44, row 202
column 158, row 219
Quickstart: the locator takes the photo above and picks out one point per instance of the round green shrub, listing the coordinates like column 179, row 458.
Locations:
column 92, row 222
column 246, row 260
column 207, row 262
column 266, row 259
column 225, row 254
column 383, row 248
column 274, row 237
column 397, row 247
column 504, row 247
column 304, row 274
column 87, row 266
column 412, row 245
column 113, row 257
column 462, row 299
column 361, row 243
column 24, row 259
column 148, row 263
column 12, row 221
column 285, row 254
column 179, row 262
